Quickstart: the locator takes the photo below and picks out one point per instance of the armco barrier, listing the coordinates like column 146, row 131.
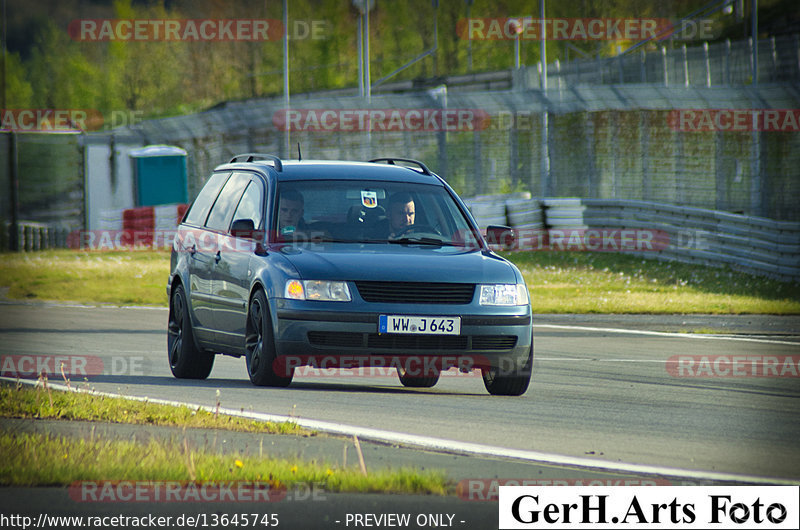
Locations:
column 751, row 244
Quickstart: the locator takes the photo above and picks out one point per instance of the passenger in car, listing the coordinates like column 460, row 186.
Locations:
column 401, row 213
column 290, row 212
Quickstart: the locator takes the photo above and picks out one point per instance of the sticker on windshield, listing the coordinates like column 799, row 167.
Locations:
column 369, row 198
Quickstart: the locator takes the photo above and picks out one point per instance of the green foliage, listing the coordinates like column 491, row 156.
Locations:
column 62, row 77
column 19, row 92
column 161, row 78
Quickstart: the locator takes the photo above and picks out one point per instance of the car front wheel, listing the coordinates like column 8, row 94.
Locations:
column 260, row 345
column 514, row 383
column 186, row 360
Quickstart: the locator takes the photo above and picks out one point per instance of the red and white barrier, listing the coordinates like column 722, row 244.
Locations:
column 142, row 222
column 144, row 218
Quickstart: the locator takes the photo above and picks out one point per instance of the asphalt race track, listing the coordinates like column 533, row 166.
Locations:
column 602, row 395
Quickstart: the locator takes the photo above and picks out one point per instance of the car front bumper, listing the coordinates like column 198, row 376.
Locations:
column 496, row 340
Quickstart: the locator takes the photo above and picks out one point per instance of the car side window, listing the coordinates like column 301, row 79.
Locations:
column 202, row 204
column 250, row 207
column 222, row 211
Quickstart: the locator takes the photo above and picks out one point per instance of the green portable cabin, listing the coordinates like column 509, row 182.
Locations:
column 160, row 175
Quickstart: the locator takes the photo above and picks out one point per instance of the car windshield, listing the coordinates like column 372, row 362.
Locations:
column 371, row 212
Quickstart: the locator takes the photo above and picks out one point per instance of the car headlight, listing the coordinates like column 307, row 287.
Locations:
column 325, row 291
column 504, row 294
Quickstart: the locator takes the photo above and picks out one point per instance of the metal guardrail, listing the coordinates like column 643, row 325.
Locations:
column 691, row 235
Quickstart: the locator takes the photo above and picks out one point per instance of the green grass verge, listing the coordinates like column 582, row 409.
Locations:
column 47, row 460
column 119, row 278
column 26, row 402
column 559, row 282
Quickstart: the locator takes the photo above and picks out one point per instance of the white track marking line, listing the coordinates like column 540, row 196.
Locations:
column 665, row 334
column 452, row 446
column 661, row 361
column 591, row 359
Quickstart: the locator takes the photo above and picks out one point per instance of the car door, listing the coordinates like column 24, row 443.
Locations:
column 233, row 272
column 217, row 225
column 199, row 244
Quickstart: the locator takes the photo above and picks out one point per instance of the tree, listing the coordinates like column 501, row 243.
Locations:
column 18, row 90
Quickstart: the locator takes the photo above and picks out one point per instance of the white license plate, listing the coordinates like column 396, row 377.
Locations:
column 424, row 325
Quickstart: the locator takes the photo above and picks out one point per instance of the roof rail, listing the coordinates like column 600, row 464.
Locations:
column 392, row 161
column 249, row 157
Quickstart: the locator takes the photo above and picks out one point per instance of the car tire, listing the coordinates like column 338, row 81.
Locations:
column 412, row 381
column 513, row 384
column 260, row 345
column 186, row 360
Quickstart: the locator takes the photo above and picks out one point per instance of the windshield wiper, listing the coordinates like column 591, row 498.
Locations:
column 334, row 240
column 432, row 241
column 418, row 241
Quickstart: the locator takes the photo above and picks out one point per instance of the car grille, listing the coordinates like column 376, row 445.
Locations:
column 493, row 342
column 339, row 338
column 417, row 342
column 416, row 292
column 342, row 339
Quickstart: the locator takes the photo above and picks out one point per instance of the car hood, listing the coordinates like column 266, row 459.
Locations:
column 402, row 263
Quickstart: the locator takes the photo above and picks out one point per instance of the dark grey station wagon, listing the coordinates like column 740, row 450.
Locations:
column 345, row 265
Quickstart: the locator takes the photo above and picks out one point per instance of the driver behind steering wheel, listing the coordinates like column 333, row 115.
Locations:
column 401, row 213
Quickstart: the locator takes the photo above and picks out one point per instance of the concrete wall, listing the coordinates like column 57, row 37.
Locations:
column 109, row 180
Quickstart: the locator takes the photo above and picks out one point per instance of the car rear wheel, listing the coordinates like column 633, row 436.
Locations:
column 416, row 381
column 186, row 360
column 511, row 384
column 260, row 345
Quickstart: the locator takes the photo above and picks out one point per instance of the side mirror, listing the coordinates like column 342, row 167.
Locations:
column 503, row 237
column 243, row 228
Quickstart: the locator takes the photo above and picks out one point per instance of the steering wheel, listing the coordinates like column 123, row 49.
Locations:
column 417, row 228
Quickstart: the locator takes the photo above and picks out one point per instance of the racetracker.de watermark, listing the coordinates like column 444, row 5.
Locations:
column 734, row 120
column 67, row 120
column 487, row 489
column 196, row 30
column 32, row 366
column 380, row 120
column 117, row 491
column 582, row 29
column 185, row 239
column 50, row 120
column 214, row 30
column 734, row 366
column 350, row 365
column 599, row 240
column 534, row 239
